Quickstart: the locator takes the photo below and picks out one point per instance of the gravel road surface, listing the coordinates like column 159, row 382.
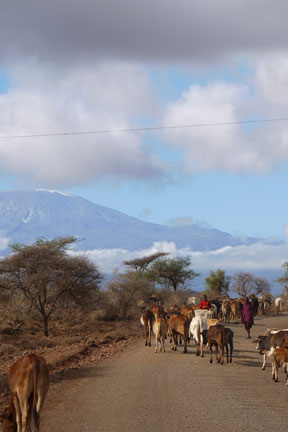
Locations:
column 138, row 390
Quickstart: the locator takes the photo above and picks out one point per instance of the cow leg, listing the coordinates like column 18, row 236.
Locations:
column 156, row 343
column 185, row 344
column 211, row 358
column 174, row 346
column 231, row 351
column 149, row 326
column 18, row 412
column 264, row 362
column 222, row 354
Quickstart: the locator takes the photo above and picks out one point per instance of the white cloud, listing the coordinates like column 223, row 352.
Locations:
column 271, row 77
column 4, row 243
column 227, row 147
column 91, row 98
column 258, row 256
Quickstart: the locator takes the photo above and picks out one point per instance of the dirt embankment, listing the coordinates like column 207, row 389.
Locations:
column 64, row 353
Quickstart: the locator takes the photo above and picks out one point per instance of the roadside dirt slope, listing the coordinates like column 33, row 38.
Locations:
column 139, row 390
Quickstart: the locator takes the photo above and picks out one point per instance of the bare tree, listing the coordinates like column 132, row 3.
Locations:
column 125, row 289
column 44, row 273
column 242, row 283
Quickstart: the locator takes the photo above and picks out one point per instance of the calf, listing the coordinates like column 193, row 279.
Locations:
column 160, row 329
column 28, row 381
column 272, row 339
column 179, row 324
column 147, row 320
column 215, row 335
column 279, row 357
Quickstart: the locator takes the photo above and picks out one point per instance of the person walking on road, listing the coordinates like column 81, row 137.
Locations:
column 247, row 316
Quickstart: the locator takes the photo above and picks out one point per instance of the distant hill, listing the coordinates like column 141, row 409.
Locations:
column 28, row 215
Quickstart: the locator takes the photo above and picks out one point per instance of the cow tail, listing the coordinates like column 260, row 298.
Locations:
column 35, row 396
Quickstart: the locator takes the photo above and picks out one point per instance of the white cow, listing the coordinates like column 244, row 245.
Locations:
column 278, row 305
column 197, row 325
column 203, row 312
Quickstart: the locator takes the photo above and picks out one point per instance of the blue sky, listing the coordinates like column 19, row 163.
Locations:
column 192, row 64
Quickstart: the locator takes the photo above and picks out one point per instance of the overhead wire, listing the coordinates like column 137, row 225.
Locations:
column 144, row 129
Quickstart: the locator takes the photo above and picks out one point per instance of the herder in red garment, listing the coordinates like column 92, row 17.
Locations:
column 247, row 316
column 205, row 304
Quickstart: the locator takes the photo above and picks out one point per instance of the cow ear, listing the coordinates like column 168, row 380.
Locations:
column 255, row 340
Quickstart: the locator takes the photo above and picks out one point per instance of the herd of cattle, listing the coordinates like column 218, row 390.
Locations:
column 28, row 378
column 207, row 328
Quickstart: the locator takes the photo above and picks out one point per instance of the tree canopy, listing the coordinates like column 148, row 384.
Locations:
column 217, row 283
column 171, row 272
column 44, row 273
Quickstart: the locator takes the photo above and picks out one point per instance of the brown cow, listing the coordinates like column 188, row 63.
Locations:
column 179, row 324
column 215, row 335
column 188, row 312
column 160, row 330
column 235, row 310
column 158, row 311
column 279, row 358
column 147, row 320
column 28, row 381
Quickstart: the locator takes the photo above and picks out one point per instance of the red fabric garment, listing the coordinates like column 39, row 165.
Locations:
column 205, row 304
column 247, row 315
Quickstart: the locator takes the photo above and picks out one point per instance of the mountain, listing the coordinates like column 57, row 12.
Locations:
column 28, row 215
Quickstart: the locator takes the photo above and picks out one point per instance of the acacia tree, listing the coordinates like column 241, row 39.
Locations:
column 140, row 265
column 218, row 283
column 171, row 272
column 45, row 274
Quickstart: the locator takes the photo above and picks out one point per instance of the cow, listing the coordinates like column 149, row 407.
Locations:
column 147, row 320
column 235, row 310
column 160, row 330
column 212, row 321
column 28, row 381
column 188, row 312
column 191, row 300
column 215, row 335
column 158, row 311
column 197, row 325
column 179, row 324
column 226, row 311
column 206, row 313
column 278, row 305
column 229, row 343
column 279, row 357
column 271, row 339
column 266, row 306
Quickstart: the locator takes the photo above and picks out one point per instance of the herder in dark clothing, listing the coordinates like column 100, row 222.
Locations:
column 255, row 304
column 247, row 316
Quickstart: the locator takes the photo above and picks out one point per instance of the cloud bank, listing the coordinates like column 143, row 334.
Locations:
column 255, row 257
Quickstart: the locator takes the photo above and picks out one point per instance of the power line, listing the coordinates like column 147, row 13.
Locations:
column 143, row 129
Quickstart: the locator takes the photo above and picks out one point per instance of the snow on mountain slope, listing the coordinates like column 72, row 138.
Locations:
column 28, row 215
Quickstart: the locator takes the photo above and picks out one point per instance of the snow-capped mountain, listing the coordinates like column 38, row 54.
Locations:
column 28, row 215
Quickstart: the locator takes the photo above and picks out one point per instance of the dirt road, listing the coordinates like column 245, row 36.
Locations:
column 138, row 390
